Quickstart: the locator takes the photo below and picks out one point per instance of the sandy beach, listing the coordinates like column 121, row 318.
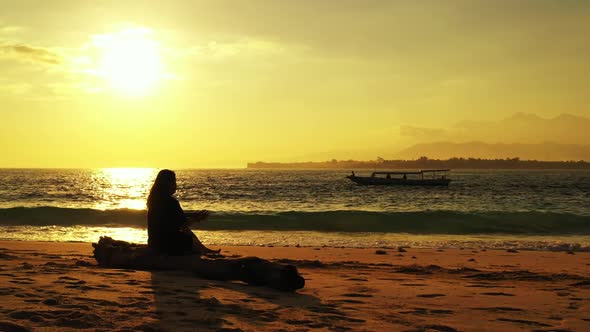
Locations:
column 49, row 286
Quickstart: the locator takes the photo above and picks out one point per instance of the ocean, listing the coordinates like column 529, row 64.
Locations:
column 522, row 209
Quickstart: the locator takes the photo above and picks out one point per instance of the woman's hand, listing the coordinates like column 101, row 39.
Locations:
column 197, row 216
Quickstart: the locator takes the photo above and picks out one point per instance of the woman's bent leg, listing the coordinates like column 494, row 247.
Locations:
column 199, row 247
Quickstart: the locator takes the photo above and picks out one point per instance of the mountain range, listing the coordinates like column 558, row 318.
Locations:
column 528, row 136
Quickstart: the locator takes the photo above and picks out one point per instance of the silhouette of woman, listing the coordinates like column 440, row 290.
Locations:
column 168, row 224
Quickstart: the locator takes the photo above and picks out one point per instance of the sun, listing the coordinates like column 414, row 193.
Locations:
column 131, row 61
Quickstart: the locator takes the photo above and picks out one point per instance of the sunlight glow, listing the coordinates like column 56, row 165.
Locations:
column 125, row 188
column 131, row 61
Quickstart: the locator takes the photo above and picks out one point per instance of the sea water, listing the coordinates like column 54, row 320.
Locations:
column 534, row 209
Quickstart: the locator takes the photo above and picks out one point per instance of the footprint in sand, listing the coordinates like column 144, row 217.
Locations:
column 499, row 309
column 573, row 306
column 10, row 326
column 66, row 278
column 134, row 298
column 30, row 301
column 426, row 311
column 7, row 275
column 582, row 283
column 441, row 328
column 497, row 294
column 22, row 281
column 26, row 266
column 9, row 290
column 62, row 318
column 110, row 274
column 357, row 279
column 97, row 302
column 356, row 295
column 7, row 256
column 430, row 295
column 103, row 286
column 524, row 322
column 73, row 283
column 83, row 263
column 352, row 301
column 414, row 285
column 325, row 309
column 488, row 286
column 344, row 318
column 132, row 283
column 298, row 321
column 51, row 302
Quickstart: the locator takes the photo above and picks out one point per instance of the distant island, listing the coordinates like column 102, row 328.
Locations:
column 475, row 149
column 425, row 163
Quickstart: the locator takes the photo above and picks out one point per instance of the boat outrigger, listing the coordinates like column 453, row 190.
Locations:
column 425, row 177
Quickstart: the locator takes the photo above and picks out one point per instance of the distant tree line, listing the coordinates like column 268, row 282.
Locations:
column 426, row 163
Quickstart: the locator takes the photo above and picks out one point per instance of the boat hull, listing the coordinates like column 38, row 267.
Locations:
column 367, row 180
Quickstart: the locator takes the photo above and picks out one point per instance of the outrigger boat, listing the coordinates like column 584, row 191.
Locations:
column 425, row 177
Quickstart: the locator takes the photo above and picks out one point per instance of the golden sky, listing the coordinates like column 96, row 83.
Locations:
column 221, row 83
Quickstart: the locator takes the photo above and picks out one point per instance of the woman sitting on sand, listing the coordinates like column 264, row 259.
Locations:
column 168, row 225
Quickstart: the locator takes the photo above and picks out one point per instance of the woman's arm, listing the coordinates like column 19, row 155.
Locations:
column 197, row 216
column 186, row 218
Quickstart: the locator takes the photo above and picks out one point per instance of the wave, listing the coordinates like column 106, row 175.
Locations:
column 420, row 222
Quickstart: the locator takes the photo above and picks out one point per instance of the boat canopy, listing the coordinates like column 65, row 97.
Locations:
column 398, row 173
column 414, row 172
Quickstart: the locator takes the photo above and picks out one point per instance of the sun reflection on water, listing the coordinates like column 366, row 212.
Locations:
column 123, row 188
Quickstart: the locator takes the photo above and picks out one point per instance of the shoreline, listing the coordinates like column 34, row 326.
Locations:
column 343, row 240
column 59, row 285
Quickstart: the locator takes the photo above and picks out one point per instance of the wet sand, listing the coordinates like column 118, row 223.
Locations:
column 58, row 286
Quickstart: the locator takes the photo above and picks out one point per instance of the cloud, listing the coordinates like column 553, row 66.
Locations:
column 15, row 88
column 421, row 132
column 518, row 128
column 224, row 50
column 30, row 53
column 8, row 29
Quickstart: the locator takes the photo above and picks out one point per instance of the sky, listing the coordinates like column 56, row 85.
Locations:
column 190, row 84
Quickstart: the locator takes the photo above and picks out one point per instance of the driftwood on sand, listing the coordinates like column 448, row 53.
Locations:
column 252, row 270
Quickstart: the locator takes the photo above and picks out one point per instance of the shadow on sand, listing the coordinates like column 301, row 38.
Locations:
column 183, row 302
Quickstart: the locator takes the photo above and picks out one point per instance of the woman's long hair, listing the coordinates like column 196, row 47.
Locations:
column 161, row 186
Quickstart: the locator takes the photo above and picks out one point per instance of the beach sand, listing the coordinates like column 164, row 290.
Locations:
column 58, row 286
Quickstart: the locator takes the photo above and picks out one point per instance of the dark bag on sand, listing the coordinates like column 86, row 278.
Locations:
column 252, row 270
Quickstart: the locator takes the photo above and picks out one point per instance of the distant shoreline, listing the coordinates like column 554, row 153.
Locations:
column 425, row 163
